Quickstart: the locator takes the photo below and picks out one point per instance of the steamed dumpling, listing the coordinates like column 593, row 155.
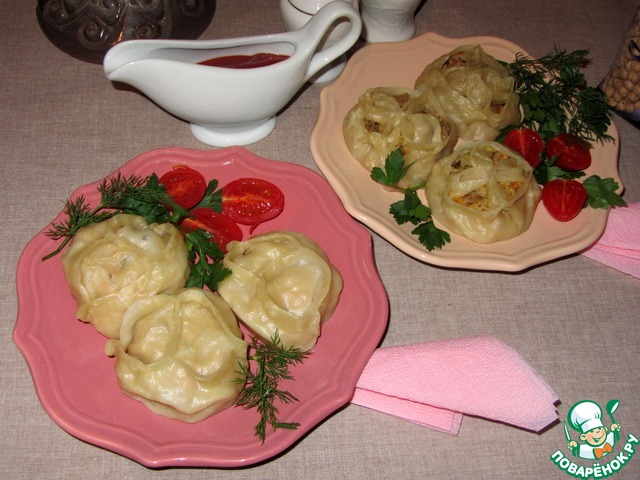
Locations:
column 111, row 264
column 388, row 118
column 180, row 354
column 474, row 90
column 483, row 191
column 281, row 282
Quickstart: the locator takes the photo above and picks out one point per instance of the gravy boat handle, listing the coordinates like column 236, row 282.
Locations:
column 313, row 32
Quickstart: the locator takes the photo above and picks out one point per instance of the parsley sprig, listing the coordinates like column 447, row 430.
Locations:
column 547, row 171
column 272, row 361
column 205, row 261
column 410, row 209
column 212, row 197
column 146, row 197
column 555, row 97
column 601, row 193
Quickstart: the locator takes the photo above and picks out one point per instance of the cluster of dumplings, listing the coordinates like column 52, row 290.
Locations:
column 180, row 350
column 446, row 128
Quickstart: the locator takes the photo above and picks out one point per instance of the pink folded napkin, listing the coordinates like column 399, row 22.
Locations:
column 435, row 383
column 619, row 245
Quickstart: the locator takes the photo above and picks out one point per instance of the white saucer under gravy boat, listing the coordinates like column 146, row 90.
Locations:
column 230, row 106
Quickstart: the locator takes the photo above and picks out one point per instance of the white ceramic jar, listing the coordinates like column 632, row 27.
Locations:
column 296, row 13
column 388, row 20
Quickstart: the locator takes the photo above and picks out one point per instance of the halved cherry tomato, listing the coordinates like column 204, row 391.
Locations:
column 571, row 153
column 564, row 198
column 222, row 228
column 186, row 185
column 527, row 143
column 251, row 201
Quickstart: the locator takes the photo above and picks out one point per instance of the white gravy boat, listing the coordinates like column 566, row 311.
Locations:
column 229, row 106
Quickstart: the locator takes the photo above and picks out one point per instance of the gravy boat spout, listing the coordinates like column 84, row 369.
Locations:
column 230, row 106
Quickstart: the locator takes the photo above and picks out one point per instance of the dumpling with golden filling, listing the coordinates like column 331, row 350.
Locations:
column 281, row 282
column 388, row 118
column 180, row 354
column 474, row 90
column 111, row 264
column 483, row 191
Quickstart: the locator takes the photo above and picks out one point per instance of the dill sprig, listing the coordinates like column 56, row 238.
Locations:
column 556, row 98
column 78, row 215
column 272, row 361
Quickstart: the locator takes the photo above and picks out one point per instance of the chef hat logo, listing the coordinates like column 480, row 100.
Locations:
column 585, row 416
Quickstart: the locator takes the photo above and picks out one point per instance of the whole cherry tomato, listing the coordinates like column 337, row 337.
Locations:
column 185, row 185
column 527, row 143
column 570, row 152
column 251, row 201
column 564, row 199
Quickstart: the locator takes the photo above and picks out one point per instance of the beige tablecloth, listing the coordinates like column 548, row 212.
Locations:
column 574, row 320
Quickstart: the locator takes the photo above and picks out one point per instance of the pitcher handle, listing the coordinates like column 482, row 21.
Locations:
column 314, row 31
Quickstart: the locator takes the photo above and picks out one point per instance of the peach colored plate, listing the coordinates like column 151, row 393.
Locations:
column 75, row 380
column 399, row 64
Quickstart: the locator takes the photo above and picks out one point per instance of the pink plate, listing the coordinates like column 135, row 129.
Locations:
column 399, row 64
column 75, row 380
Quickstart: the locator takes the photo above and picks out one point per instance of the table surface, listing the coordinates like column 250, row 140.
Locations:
column 574, row 320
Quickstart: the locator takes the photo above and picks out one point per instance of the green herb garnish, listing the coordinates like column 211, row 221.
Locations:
column 410, row 209
column 205, row 261
column 602, row 192
column 556, row 99
column 272, row 362
column 547, row 171
column 212, row 197
column 79, row 215
column 394, row 169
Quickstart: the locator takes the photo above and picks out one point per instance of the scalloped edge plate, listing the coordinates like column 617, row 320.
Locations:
column 75, row 380
column 399, row 64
